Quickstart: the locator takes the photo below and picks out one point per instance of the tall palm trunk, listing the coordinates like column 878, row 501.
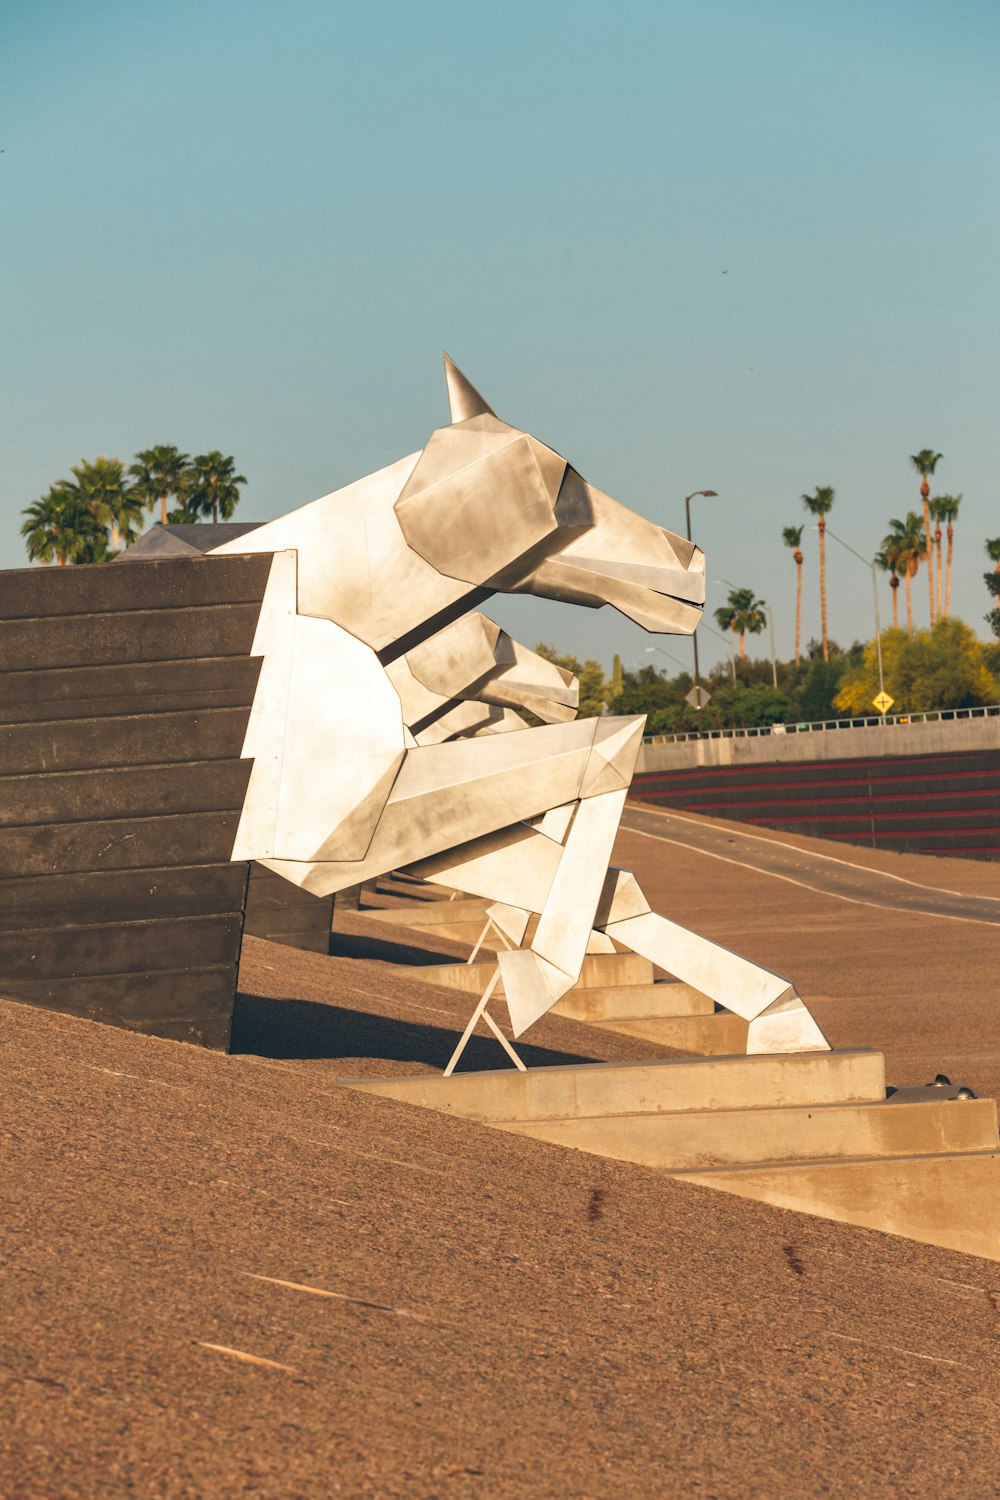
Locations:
column 822, row 585
column 163, row 507
column 925, row 491
column 947, row 587
column 910, row 570
column 798, row 605
column 894, row 586
column 742, row 645
column 941, row 612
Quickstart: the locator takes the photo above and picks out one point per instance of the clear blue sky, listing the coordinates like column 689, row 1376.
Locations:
column 746, row 247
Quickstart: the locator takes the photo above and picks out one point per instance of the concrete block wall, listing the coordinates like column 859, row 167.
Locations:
column 924, row 788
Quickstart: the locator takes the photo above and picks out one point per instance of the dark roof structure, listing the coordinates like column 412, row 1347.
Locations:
column 185, row 540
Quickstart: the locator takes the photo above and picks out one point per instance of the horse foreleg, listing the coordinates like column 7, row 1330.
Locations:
column 561, row 878
column 779, row 1020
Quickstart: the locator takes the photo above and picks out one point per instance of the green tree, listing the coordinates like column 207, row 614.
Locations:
column 945, row 667
column 210, row 487
column 815, row 699
column 792, row 537
column 992, row 581
column 819, row 504
column 158, row 472
column 935, row 506
column 889, row 559
column 907, row 541
column 743, row 613
column 60, row 528
column 747, row 707
column 925, row 462
column 590, row 674
column 948, row 507
column 106, row 494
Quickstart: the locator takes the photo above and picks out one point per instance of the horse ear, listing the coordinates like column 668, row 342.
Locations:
column 463, row 398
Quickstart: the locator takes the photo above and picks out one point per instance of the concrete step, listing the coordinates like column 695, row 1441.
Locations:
column 460, row 921
column 694, row 1139
column 628, row 1002
column 666, row 1086
column 717, row 1035
column 429, row 913
column 952, row 1200
column 603, row 970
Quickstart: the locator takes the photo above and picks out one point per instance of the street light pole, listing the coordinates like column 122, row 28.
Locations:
column 878, row 622
column 722, row 638
column 694, row 635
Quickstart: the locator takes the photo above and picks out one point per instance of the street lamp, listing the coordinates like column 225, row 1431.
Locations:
column 878, row 623
column 667, row 654
column 770, row 618
column 709, row 494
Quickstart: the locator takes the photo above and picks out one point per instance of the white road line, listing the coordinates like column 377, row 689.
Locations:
column 832, row 859
column 913, row 911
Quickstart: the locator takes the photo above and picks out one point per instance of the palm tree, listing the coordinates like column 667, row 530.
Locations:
column 925, row 462
column 934, row 507
column 158, row 473
column 888, row 559
column 103, row 489
column 819, row 504
column 948, row 511
column 210, row 487
column 792, row 537
column 909, row 539
column 742, row 613
column 61, row 528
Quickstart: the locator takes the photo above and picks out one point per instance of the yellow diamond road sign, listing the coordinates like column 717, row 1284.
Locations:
column 883, row 702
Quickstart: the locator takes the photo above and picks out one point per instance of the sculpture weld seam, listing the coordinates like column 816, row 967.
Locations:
column 383, row 735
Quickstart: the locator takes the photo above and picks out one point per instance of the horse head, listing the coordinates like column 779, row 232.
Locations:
column 492, row 506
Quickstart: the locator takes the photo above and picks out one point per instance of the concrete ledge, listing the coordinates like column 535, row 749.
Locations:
column 693, row 1140
column 948, row 1200
column 602, row 970
column 717, row 1035
column 943, row 737
column 429, row 914
column 602, row 1089
column 628, row 1002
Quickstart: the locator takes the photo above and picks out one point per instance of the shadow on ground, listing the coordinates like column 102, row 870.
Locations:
column 346, row 945
column 306, row 1029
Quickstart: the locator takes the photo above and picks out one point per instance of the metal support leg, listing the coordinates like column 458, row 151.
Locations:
column 473, row 1020
column 482, row 937
column 519, row 1065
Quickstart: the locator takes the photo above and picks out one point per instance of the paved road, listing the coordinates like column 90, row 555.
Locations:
column 818, row 872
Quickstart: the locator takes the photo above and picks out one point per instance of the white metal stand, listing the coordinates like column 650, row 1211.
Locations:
column 482, row 938
column 481, row 1013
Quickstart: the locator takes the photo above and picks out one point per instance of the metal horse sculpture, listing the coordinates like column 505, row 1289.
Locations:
column 382, row 732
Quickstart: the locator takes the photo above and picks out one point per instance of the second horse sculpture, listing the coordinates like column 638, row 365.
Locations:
column 382, row 731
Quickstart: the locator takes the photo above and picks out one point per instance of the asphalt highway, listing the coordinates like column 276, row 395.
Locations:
column 823, row 873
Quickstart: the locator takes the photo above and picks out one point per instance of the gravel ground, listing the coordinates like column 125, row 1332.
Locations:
column 472, row 1313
